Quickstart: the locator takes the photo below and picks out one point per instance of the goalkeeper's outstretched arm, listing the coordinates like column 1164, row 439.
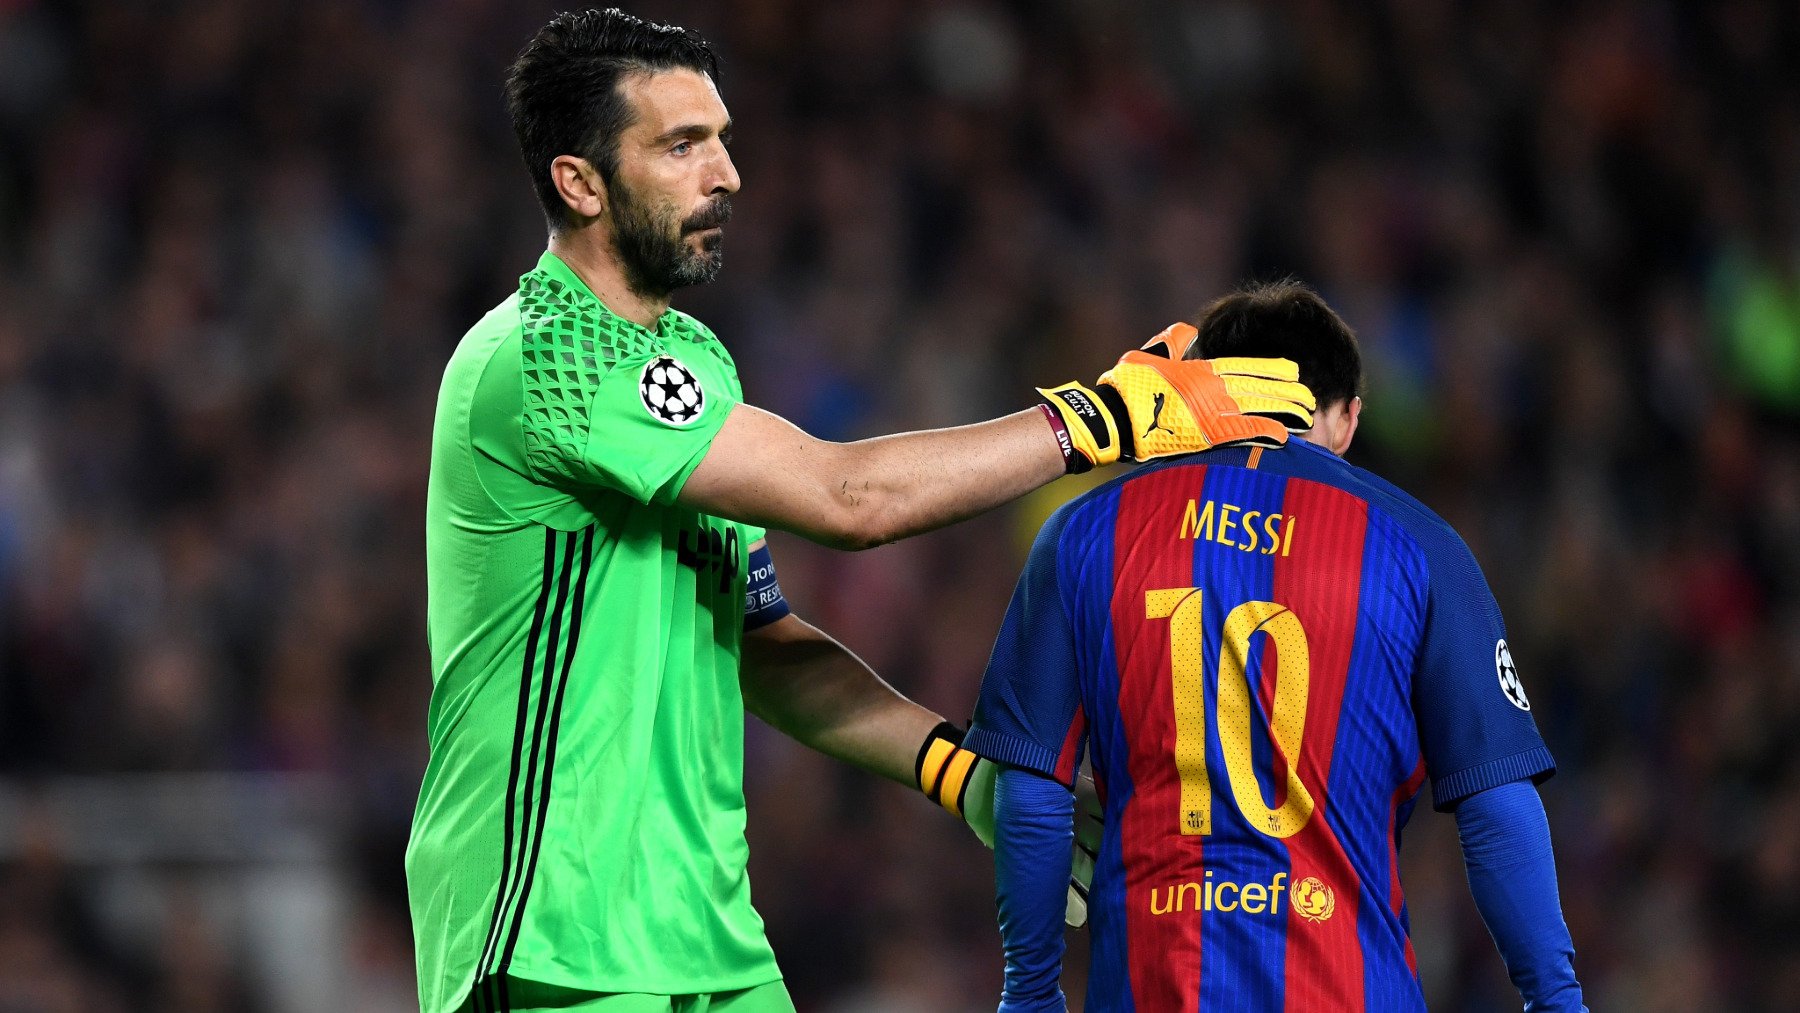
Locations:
column 763, row 470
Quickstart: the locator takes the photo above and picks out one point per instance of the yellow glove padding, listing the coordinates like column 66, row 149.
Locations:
column 1154, row 403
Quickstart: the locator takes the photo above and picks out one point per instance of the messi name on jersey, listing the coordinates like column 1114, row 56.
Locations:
column 1244, row 530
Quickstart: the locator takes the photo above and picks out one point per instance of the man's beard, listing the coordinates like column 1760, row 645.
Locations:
column 653, row 248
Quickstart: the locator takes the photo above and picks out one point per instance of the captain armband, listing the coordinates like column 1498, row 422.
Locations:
column 763, row 603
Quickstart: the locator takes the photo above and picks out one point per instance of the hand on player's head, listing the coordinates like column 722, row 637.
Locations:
column 1181, row 405
column 1155, row 402
column 1269, row 387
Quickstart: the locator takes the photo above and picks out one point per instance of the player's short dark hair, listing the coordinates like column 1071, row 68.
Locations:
column 563, row 90
column 1284, row 320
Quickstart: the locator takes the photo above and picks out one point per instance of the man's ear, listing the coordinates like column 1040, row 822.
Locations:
column 579, row 185
column 1353, row 413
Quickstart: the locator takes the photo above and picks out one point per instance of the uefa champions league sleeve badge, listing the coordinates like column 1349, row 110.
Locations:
column 671, row 392
column 1510, row 684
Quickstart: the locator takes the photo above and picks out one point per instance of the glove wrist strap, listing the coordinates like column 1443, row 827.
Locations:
column 1114, row 403
column 942, row 769
column 1092, row 430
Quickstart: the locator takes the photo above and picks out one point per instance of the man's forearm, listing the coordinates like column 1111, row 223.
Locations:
column 871, row 492
column 917, row 482
column 1512, row 874
column 813, row 689
column 1033, row 827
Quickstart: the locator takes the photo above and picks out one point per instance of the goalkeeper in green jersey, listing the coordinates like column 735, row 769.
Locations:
column 602, row 607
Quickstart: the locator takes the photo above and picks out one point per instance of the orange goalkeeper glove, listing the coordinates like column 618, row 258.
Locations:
column 1154, row 403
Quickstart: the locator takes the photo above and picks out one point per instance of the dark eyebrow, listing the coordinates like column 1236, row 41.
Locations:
column 691, row 132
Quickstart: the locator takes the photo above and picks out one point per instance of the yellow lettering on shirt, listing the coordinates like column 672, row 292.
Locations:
column 1226, row 523
column 1216, row 521
column 1272, row 528
column 1197, row 524
column 1221, row 896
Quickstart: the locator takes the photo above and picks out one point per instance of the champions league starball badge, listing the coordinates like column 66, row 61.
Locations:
column 672, row 395
column 1509, row 677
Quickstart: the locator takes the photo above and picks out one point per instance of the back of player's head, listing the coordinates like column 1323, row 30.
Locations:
column 1284, row 320
column 563, row 90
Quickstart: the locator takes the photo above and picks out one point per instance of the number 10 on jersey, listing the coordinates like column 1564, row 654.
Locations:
column 1181, row 606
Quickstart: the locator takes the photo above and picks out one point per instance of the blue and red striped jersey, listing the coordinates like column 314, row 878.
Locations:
column 1264, row 655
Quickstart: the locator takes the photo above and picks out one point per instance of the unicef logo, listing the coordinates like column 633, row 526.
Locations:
column 1314, row 900
column 671, row 393
column 1509, row 677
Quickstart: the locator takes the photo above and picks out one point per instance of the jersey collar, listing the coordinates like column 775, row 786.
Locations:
column 551, row 265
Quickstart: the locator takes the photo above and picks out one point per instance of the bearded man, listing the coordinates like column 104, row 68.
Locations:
column 602, row 605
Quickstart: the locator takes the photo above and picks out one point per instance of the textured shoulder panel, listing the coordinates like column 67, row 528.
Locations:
column 693, row 330
column 568, row 341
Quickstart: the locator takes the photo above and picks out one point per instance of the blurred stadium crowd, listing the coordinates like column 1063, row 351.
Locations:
column 238, row 241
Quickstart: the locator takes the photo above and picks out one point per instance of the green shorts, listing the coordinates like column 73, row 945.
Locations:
column 531, row 997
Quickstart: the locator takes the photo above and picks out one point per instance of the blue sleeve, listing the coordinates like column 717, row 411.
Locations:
column 1029, row 711
column 1034, row 823
column 1474, row 718
column 1512, row 873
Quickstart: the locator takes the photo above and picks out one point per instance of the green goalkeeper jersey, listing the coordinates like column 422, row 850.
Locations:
column 581, row 821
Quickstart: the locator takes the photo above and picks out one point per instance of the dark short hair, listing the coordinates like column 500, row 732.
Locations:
column 563, row 90
column 1284, row 320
